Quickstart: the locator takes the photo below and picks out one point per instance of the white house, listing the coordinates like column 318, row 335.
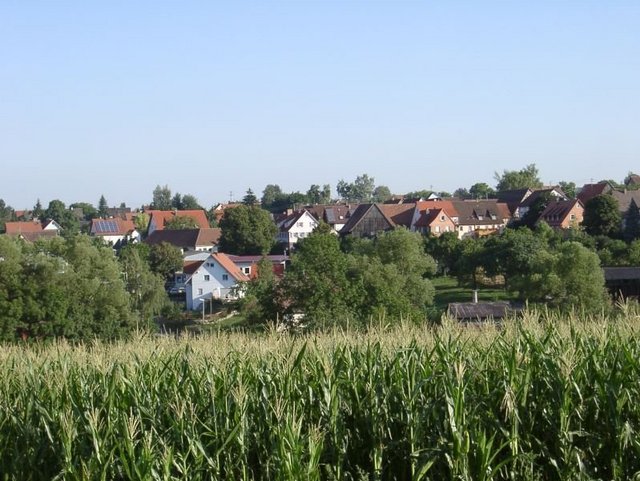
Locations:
column 296, row 226
column 216, row 277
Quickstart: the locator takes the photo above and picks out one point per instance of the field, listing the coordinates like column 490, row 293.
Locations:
column 542, row 398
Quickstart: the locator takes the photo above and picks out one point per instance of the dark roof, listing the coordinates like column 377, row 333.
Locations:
column 272, row 258
column 536, row 194
column 482, row 310
column 621, row 273
column 557, row 211
column 181, row 238
column 356, row 217
column 513, row 196
column 589, row 191
column 399, row 214
column 481, row 212
column 624, row 199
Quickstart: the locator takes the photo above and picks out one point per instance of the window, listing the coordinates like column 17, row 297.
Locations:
column 225, row 277
column 573, row 217
column 199, row 292
column 246, row 270
column 441, row 218
column 207, row 277
column 300, row 224
column 437, row 228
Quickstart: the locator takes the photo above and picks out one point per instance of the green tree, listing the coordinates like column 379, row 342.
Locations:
column 461, row 193
column 317, row 195
column 165, row 259
column 180, row 222
column 249, row 198
column 601, row 216
column 632, row 222
column 381, row 193
column 141, row 221
column 418, row 194
column 360, row 190
column 247, row 230
column 176, row 201
column 38, row 211
column 405, row 249
column 518, row 179
column 444, row 249
column 63, row 216
column 161, row 198
column 88, row 210
column 581, row 278
column 270, row 194
column 316, row 283
column 260, row 302
column 146, row 289
column 190, row 202
column 103, row 207
column 535, row 210
column 481, row 190
column 569, row 188
column 6, row 214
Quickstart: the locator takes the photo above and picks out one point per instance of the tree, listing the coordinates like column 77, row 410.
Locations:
column 632, row 222
column 180, row 222
column 316, row 283
column 146, row 289
column 270, row 194
column 601, row 216
column 535, row 210
column 247, row 230
column 381, row 193
column 582, row 279
column 176, row 201
column 418, row 194
column 88, row 210
column 569, row 188
column 260, row 302
column 165, row 259
column 6, row 214
column 161, row 198
column 481, row 190
column 250, row 198
column 405, row 249
column 38, row 211
column 361, row 190
column 141, row 221
column 58, row 212
column 190, row 202
column 315, row 195
column 518, row 179
column 444, row 249
column 461, row 193
column 103, row 207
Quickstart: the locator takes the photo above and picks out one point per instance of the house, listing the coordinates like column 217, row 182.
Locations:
column 554, row 193
column 589, row 191
column 368, row 220
column 188, row 239
column 32, row 230
column 563, row 214
column 159, row 218
column 433, row 221
column 216, row 277
column 249, row 264
column 625, row 198
column 472, row 218
column 513, row 199
column 335, row 215
column 295, row 226
column 114, row 231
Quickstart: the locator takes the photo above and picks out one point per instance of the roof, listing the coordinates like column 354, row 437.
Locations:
column 589, row 191
column 625, row 197
column 430, row 215
column 481, row 310
column 181, row 238
column 161, row 217
column 536, row 194
column 557, row 211
column 400, row 214
column 191, row 267
column 209, row 236
column 252, row 259
column 513, row 197
column 358, row 214
column 114, row 226
column 230, row 267
column 289, row 221
column 621, row 273
column 34, row 236
column 14, row 228
column 481, row 212
column 632, row 179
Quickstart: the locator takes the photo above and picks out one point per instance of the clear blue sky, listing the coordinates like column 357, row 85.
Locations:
column 208, row 97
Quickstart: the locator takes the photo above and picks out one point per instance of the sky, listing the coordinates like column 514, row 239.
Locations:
column 212, row 98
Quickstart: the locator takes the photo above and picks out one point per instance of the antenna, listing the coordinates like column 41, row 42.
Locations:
column 230, row 196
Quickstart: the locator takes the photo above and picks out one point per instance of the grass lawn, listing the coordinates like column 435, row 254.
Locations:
column 447, row 290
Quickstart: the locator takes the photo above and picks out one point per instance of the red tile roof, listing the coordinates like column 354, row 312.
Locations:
column 230, row 267
column 162, row 216
column 13, row 228
column 589, row 191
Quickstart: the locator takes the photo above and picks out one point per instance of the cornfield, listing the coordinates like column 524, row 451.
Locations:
column 539, row 398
